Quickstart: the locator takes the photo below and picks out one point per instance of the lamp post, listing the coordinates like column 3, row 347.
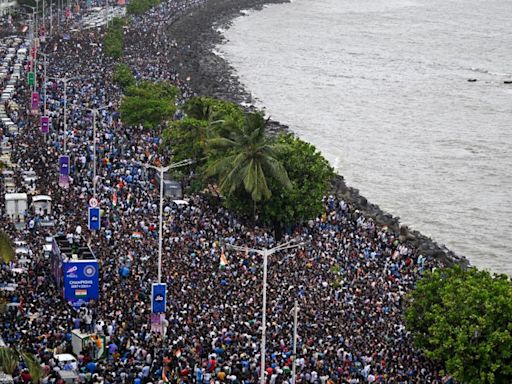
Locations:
column 162, row 170
column 45, row 115
column 34, row 33
column 37, row 12
column 94, row 114
column 294, row 361
column 45, row 55
column 265, row 253
column 65, row 80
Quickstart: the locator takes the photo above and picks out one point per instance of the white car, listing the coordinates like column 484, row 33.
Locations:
column 66, row 361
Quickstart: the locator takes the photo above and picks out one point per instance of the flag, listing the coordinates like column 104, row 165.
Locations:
column 223, row 260
column 165, row 369
column 114, row 199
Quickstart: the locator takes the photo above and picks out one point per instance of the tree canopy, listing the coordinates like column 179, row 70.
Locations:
column 186, row 138
column 138, row 7
column 123, row 75
column 310, row 175
column 463, row 319
column 211, row 109
column 10, row 358
column 114, row 38
column 286, row 176
column 148, row 104
column 243, row 158
column 6, row 248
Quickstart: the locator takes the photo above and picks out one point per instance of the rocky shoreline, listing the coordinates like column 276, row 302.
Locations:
column 200, row 31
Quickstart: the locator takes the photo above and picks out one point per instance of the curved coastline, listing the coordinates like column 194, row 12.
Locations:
column 201, row 31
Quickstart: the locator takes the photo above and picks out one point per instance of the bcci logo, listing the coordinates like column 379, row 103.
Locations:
column 89, row 270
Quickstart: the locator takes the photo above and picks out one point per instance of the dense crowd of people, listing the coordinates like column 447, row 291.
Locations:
column 349, row 277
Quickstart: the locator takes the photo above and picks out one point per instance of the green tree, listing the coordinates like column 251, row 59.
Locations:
column 244, row 159
column 463, row 320
column 138, row 7
column 123, row 75
column 187, row 138
column 148, row 104
column 114, row 38
column 211, row 109
column 10, row 358
column 6, row 248
column 310, row 175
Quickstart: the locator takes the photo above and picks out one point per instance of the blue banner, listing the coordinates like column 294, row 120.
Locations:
column 158, row 297
column 80, row 281
column 64, row 171
column 45, row 124
column 94, row 219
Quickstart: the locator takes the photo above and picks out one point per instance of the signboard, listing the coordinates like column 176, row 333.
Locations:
column 35, row 100
column 94, row 219
column 31, row 77
column 158, row 297
column 45, row 124
column 156, row 322
column 64, row 171
column 80, row 281
column 93, row 202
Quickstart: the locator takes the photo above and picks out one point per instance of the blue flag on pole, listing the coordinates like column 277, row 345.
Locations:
column 158, row 297
column 94, row 219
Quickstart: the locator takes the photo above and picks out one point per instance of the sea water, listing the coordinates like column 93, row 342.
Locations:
column 381, row 88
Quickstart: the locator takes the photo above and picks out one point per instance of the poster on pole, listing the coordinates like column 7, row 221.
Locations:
column 31, row 76
column 45, row 124
column 64, row 171
column 35, row 100
column 156, row 322
column 158, row 297
column 94, row 218
column 80, row 281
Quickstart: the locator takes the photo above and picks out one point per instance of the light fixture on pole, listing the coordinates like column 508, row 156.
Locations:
column 265, row 253
column 162, row 170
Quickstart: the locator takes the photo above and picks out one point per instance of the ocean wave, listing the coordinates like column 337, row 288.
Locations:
column 488, row 72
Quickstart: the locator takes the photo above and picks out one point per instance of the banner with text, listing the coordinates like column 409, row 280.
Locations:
column 80, row 281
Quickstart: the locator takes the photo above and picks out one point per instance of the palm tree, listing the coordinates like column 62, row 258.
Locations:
column 6, row 249
column 10, row 358
column 244, row 157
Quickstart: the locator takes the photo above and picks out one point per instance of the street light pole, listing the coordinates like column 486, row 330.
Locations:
column 94, row 113
column 162, row 171
column 65, row 81
column 294, row 366
column 265, row 253
column 44, row 89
